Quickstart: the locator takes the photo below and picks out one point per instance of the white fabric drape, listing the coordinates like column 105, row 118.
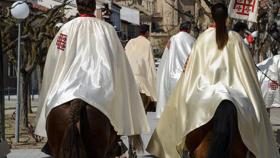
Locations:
column 270, row 90
column 211, row 76
column 140, row 56
column 87, row 61
column 171, row 66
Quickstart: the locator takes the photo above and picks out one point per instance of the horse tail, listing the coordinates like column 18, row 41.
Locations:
column 72, row 144
column 224, row 129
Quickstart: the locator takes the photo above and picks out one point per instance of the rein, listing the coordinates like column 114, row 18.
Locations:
column 267, row 76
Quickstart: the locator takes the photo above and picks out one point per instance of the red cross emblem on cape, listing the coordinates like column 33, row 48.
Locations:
column 61, row 41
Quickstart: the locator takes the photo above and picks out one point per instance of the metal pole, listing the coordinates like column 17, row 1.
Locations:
column 2, row 95
column 18, row 86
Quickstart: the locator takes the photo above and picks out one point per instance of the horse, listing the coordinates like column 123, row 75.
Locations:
column 218, row 138
column 78, row 130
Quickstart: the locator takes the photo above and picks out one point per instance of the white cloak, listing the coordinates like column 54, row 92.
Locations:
column 270, row 67
column 140, row 56
column 171, row 66
column 211, row 76
column 86, row 60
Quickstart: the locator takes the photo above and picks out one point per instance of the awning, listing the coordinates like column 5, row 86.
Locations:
column 130, row 15
column 72, row 11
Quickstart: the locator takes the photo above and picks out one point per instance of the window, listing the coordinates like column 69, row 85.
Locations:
column 12, row 70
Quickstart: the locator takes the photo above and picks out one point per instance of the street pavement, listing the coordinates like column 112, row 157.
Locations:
column 27, row 153
column 36, row 153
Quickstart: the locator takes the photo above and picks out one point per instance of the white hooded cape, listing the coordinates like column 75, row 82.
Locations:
column 86, row 60
column 211, row 76
column 171, row 66
column 270, row 67
column 140, row 56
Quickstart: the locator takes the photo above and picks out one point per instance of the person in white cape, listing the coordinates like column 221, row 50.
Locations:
column 87, row 61
column 216, row 109
column 140, row 56
column 269, row 77
column 172, row 64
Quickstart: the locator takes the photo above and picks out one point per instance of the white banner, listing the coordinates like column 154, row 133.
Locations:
column 244, row 9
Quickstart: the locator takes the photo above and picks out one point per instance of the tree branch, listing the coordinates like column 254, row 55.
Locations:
column 13, row 43
column 208, row 3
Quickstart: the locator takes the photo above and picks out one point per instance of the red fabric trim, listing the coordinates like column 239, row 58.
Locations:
column 184, row 30
column 213, row 25
column 87, row 15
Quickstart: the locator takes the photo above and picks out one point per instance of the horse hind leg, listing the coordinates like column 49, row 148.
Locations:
column 98, row 135
column 55, row 127
column 197, row 141
column 202, row 150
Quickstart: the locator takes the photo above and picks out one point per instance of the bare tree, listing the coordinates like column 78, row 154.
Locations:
column 268, row 39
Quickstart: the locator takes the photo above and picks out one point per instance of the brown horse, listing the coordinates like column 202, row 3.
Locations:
column 78, row 130
column 219, row 138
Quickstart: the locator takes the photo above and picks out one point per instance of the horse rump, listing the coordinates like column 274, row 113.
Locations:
column 78, row 130
column 219, row 138
column 64, row 132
